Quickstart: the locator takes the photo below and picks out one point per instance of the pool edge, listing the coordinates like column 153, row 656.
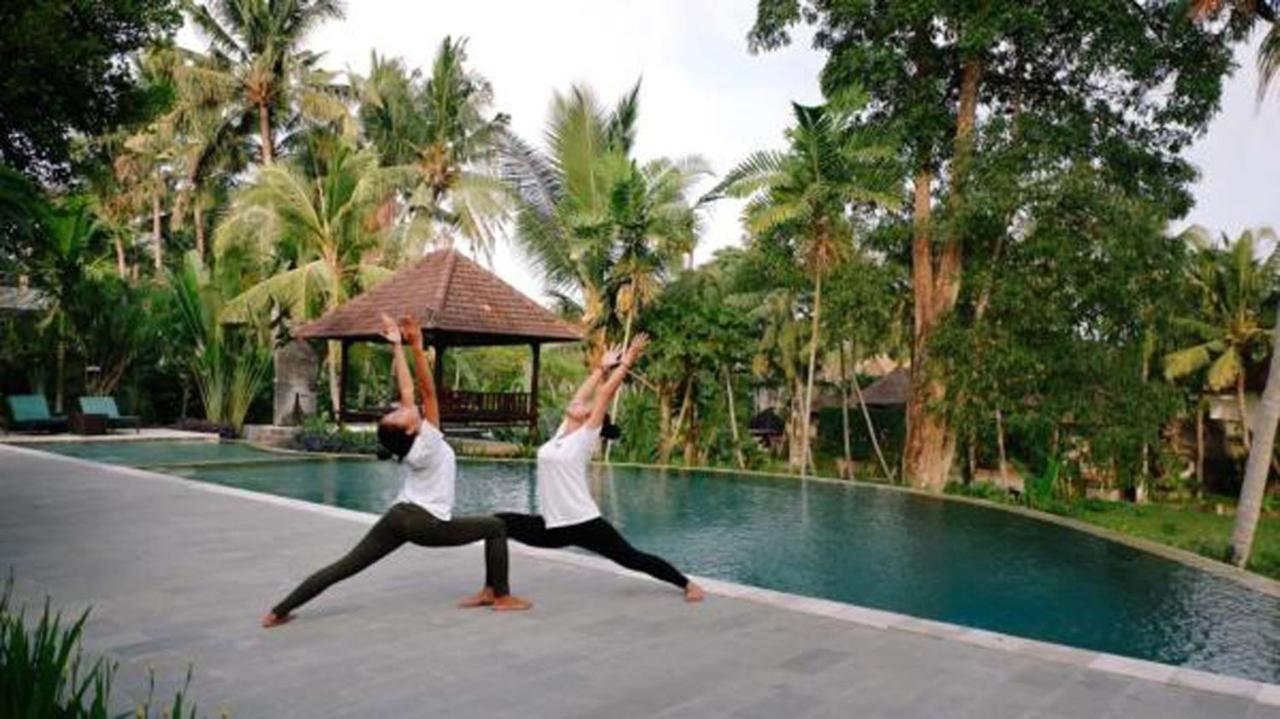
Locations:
column 1252, row 580
column 1260, row 692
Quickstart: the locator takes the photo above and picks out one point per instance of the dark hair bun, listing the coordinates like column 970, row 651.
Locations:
column 610, row 431
column 394, row 441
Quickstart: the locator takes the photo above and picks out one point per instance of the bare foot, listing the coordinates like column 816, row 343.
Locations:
column 272, row 620
column 483, row 598
column 510, row 603
column 693, row 593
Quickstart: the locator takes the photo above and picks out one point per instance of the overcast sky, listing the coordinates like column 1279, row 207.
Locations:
column 703, row 93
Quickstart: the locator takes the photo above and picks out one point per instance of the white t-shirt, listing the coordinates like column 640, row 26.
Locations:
column 429, row 471
column 563, row 495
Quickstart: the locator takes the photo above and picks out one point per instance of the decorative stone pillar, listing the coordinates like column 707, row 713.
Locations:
column 296, row 366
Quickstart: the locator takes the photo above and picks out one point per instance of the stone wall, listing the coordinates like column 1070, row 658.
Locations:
column 296, row 365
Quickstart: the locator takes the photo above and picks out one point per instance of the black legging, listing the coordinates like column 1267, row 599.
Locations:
column 407, row 522
column 594, row 535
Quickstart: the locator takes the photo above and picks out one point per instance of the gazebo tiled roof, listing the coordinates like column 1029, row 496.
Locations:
column 456, row 301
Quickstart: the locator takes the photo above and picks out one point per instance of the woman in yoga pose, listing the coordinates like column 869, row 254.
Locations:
column 569, row 515
column 423, row 511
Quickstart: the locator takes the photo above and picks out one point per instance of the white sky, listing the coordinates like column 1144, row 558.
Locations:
column 703, row 93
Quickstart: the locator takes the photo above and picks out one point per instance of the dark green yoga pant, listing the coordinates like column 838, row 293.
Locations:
column 406, row 522
column 594, row 535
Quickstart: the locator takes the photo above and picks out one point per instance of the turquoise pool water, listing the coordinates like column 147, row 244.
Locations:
column 926, row 557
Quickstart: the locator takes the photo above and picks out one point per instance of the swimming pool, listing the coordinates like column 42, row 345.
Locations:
column 927, row 557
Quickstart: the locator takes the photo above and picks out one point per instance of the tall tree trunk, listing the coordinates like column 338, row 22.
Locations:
column 1004, row 459
column 264, row 132
column 1255, row 472
column 844, row 410
column 814, row 340
column 795, row 406
column 1199, row 446
column 685, row 403
column 626, row 341
column 60, row 385
column 666, row 438
column 121, row 266
column 335, row 387
column 199, row 221
column 1243, row 407
column 1148, row 350
column 733, row 421
column 931, row 440
column 691, row 438
column 157, row 240
column 970, row 468
column 930, row 444
column 871, row 429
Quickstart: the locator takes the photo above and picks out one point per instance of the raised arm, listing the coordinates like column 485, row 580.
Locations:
column 611, row 357
column 604, row 396
column 422, row 371
column 398, row 366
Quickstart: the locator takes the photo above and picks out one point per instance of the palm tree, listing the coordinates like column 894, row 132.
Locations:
column 144, row 169
column 804, row 196
column 207, row 150
column 1229, row 332
column 318, row 227
column 255, row 71
column 442, row 139
column 591, row 219
column 1260, row 460
column 69, row 256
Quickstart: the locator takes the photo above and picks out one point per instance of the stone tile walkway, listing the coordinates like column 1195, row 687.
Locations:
column 177, row 573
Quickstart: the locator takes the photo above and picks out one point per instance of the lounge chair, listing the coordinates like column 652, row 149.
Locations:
column 31, row 412
column 107, row 406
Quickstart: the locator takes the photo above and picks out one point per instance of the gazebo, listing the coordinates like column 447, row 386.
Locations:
column 458, row 304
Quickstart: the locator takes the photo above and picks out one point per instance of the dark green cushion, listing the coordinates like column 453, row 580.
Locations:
column 28, row 407
column 100, row 405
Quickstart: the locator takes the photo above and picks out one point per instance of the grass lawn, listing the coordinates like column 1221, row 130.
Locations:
column 1188, row 527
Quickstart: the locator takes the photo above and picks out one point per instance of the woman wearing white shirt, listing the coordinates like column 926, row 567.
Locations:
column 570, row 516
column 423, row 511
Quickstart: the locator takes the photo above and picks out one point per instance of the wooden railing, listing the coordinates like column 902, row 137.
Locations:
column 469, row 407
column 485, row 406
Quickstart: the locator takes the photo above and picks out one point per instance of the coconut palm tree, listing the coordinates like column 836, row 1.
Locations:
column 594, row 221
column 804, row 196
column 255, row 71
column 208, row 151
column 145, row 170
column 1229, row 332
column 441, row 136
column 319, row 228
column 69, row 256
column 1259, row 462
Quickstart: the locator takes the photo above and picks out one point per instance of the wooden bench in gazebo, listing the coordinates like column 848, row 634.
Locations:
column 458, row 304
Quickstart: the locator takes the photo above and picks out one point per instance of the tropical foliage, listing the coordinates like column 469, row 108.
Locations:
column 437, row 134
column 983, row 200
column 603, row 228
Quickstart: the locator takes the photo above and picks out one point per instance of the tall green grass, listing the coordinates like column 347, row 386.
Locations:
column 43, row 674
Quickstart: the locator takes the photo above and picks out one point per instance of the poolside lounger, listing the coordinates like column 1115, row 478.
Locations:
column 31, row 412
column 107, row 406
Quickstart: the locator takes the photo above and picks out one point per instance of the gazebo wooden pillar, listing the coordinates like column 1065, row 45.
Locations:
column 458, row 304
column 533, row 390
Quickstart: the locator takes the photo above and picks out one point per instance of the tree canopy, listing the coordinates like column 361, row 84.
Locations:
column 67, row 71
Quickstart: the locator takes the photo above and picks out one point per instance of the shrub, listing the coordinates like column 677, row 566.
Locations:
column 42, row 672
column 319, row 435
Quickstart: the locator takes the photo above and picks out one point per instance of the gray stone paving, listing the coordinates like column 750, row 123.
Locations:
column 177, row 575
